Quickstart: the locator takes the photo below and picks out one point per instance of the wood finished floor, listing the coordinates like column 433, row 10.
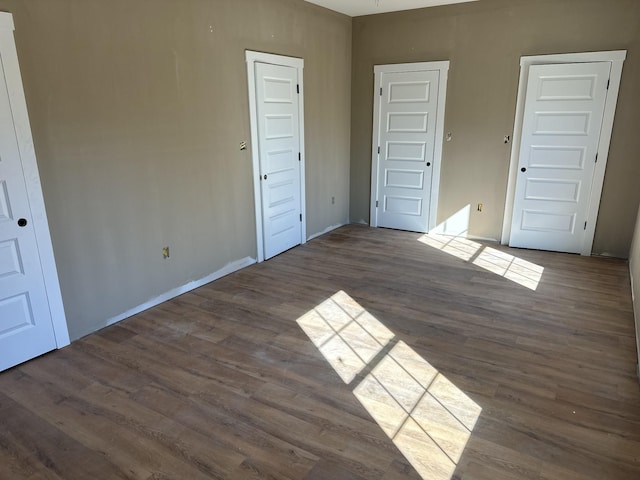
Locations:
column 425, row 365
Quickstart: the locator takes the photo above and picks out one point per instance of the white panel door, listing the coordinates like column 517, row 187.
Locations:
column 406, row 134
column 279, row 149
column 26, row 329
column 563, row 114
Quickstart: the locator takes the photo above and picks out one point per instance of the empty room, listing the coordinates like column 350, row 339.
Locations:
column 324, row 239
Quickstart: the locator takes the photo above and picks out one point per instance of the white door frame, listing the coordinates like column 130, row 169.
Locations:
column 298, row 63
column 32, row 178
column 378, row 70
column 617, row 59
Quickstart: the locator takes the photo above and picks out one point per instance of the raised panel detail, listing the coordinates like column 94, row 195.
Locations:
column 552, row 190
column 567, row 87
column 15, row 314
column 277, row 90
column 407, row 122
column 278, row 126
column 562, row 123
column 279, row 160
column 568, row 158
column 280, row 193
column 282, row 223
column 403, row 205
column 548, row 221
column 409, row 92
column 404, row 178
column 10, row 260
column 406, row 151
column 5, row 205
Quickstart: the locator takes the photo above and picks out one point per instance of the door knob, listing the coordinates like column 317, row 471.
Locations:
column 523, row 169
column 265, row 177
column 22, row 222
column 428, row 164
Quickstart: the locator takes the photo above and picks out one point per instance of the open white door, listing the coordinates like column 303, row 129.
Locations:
column 407, row 144
column 276, row 119
column 30, row 304
column 564, row 119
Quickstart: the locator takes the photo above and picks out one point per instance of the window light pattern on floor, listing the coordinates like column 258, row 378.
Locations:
column 501, row 263
column 426, row 416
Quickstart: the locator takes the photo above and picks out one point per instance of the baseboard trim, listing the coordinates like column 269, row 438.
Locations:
column 326, row 230
column 224, row 271
column 464, row 235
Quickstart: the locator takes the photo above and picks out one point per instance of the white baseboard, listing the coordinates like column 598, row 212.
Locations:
column 483, row 239
column 326, row 230
column 226, row 270
column 465, row 235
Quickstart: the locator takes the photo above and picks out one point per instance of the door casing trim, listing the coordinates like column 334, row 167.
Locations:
column 32, row 178
column 252, row 58
column 616, row 58
column 443, row 68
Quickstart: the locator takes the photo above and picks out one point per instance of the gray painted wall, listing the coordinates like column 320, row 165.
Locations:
column 137, row 110
column 484, row 41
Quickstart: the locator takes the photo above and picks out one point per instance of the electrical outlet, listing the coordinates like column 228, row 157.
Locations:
column 480, row 206
column 165, row 252
column 507, row 139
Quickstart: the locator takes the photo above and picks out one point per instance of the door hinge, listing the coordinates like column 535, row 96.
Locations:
column 380, row 91
column 300, row 217
column 608, row 83
column 596, row 158
column 299, row 156
column 585, row 225
column 378, row 150
column 298, row 89
column 376, row 203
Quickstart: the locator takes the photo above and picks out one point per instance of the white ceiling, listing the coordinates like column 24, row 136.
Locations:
column 355, row 8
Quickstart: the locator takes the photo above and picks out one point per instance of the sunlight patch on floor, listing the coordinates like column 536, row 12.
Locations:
column 425, row 415
column 501, row 263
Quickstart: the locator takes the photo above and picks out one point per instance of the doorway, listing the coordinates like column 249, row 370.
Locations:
column 564, row 118
column 277, row 137
column 409, row 105
column 32, row 319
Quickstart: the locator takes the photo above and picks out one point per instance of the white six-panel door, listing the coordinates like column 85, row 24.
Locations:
column 26, row 325
column 280, row 156
column 563, row 116
column 409, row 108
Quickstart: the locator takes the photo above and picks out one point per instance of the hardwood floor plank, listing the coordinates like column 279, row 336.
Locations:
column 234, row 433
column 56, row 451
column 455, row 372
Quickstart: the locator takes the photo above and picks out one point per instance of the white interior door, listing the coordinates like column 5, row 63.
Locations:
column 407, row 146
column 280, row 155
column 563, row 118
column 26, row 328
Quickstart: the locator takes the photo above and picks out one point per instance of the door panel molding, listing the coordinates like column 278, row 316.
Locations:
column 252, row 58
column 617, row 59
column 26, row 150
column 406, row 153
